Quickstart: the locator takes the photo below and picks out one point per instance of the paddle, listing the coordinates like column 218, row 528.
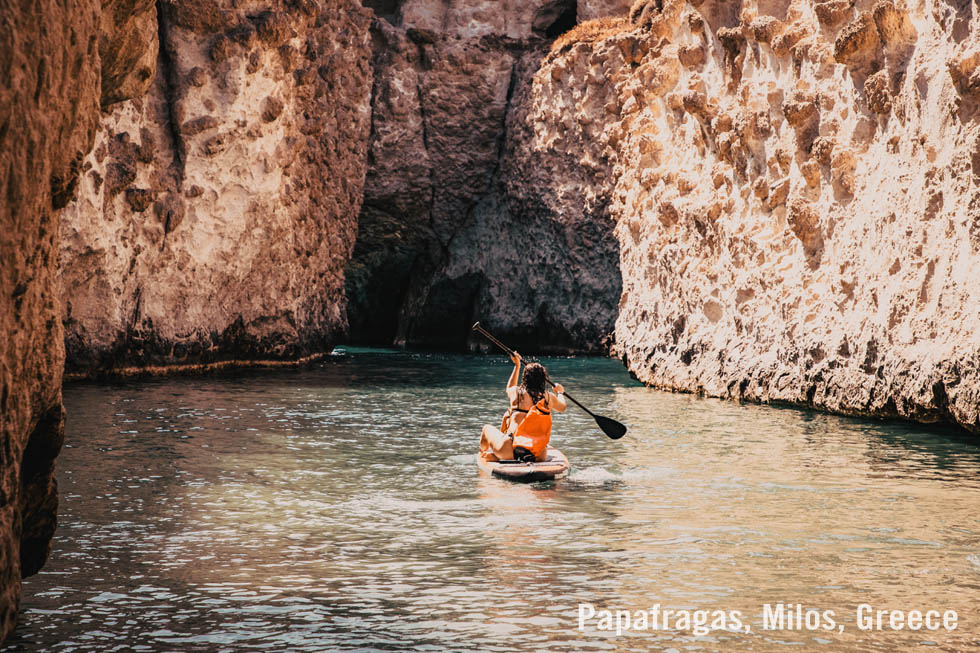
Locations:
column 610, row 427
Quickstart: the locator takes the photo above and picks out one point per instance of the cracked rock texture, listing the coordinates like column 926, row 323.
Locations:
column 215, row 215
column 796, row 190
column 59, row 61
column 459, row 224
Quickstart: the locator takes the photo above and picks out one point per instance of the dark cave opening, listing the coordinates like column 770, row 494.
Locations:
column 390, row 10
column 555, row 20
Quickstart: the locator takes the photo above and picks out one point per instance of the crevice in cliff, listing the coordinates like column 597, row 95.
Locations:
column 138, row 301
column 428, row 259
column 464, row 291
column 421, row 268
column 168, row 72
column 495, row 176
column 124, row 344
column 423, row 119
column 508, row 107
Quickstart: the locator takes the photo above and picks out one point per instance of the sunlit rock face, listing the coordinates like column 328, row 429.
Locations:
column 60, row 62
column 514, row 19
column 457, row 224
column 216, row 213
column 592, row 9
column 796, row 190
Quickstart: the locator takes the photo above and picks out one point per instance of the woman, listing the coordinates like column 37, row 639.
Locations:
column 526, row 427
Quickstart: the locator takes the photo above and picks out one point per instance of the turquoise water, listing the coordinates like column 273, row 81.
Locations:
column 339, row 508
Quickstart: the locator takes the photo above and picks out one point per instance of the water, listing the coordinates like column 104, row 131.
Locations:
column 339, row 508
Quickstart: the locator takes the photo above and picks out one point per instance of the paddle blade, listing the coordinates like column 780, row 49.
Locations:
column 610, row 427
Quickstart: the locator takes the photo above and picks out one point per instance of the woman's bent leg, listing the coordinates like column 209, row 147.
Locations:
column 493, row 441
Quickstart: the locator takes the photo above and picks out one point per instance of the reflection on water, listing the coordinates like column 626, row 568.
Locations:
column 339, row 508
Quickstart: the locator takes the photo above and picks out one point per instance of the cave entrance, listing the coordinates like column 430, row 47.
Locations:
column 554, row 19
column 390, row 10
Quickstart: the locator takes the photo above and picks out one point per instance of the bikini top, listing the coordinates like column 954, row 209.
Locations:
column 515, row 409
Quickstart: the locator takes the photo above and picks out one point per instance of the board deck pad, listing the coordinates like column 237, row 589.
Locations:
column 555, row 465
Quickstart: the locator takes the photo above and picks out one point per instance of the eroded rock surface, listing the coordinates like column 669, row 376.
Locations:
column 459, row 224
column 127, row 48
column 592, row 9
column 56, row 66
column 796, row 190
column 216, row 214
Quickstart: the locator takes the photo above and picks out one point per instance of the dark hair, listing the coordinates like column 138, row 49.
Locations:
column 533, row 381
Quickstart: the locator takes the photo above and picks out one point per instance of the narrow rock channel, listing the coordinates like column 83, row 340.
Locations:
column 774, row 201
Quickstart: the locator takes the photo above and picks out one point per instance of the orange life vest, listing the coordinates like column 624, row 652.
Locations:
column 535, row 431
column 508, row 419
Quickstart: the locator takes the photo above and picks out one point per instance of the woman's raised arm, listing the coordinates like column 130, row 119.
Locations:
column 516, row 374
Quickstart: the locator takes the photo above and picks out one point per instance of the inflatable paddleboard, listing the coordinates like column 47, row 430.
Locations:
column 554, row 466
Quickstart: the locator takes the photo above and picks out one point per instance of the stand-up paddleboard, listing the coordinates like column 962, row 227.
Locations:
column 554, row 466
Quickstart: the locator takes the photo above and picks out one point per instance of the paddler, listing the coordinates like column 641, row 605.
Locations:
column 526, row 428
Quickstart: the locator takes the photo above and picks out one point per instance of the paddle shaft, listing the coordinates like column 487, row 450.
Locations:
column 511, row 352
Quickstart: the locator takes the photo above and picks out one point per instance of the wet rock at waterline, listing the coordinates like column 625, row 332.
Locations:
column 215, row 215
column 796, row 196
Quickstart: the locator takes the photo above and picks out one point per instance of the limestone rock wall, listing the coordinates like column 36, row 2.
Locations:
column 796, row 190
column 514, row 19
column 216, row 213
column 57, row 67
column 458, row 224
column 592, row 9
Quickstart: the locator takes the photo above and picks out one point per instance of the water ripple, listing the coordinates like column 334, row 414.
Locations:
column 339, row 508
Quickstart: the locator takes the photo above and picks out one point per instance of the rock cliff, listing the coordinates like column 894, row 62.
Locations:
column 771, row 200
column 59, row 62
column 796, row 192
column 456, row 226
column 215, row 215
